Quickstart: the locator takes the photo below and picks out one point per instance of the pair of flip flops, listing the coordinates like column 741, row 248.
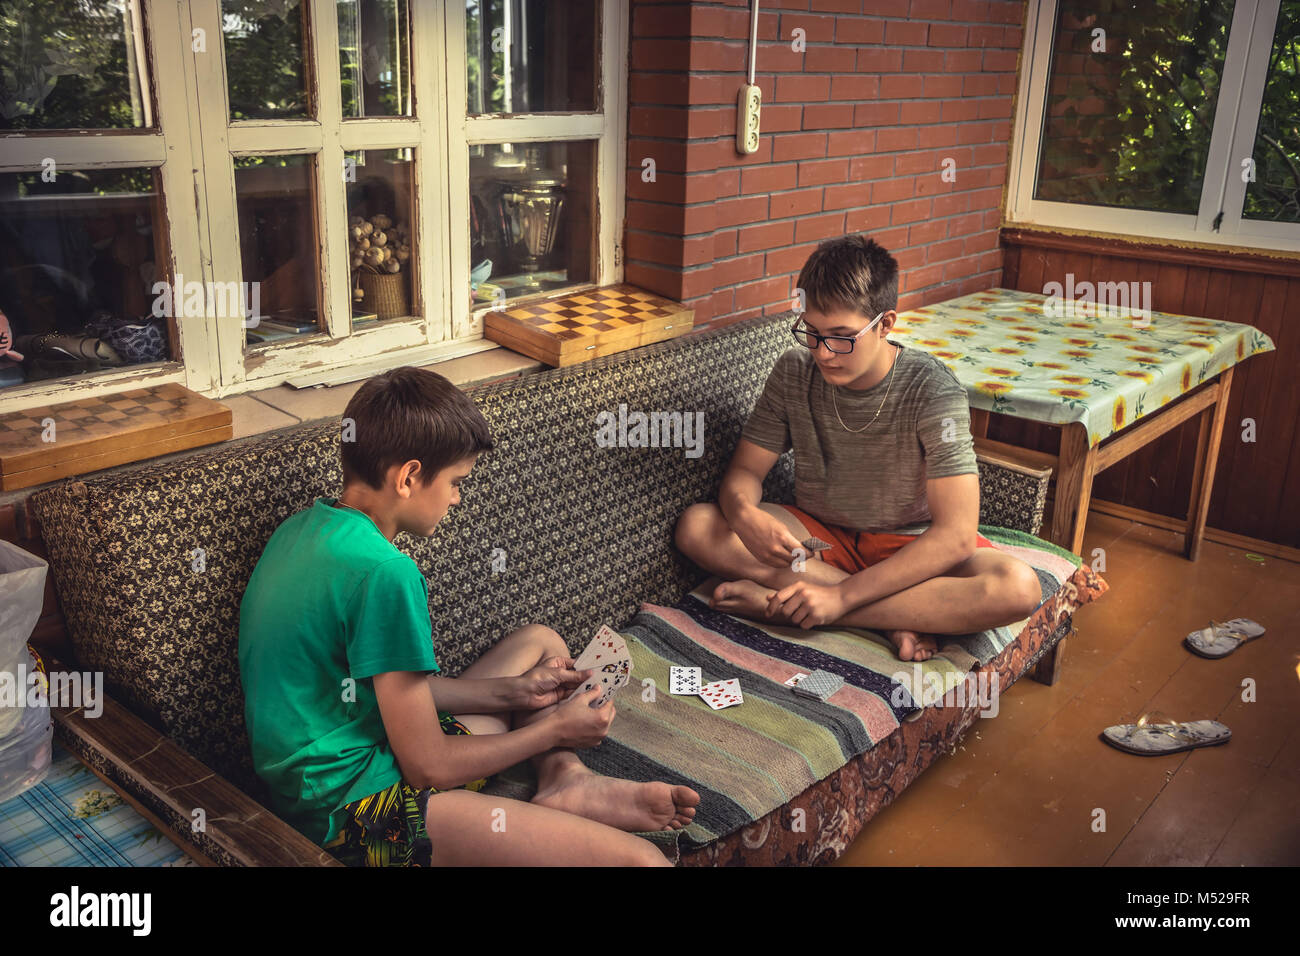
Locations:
column 1220, row 640
column 1156, row 734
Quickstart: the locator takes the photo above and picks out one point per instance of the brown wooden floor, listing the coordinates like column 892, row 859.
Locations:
column 1022, row 787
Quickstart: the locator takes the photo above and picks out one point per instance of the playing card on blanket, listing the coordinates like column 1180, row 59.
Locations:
column 722, row 693
column 684, row 680
column 608, row 656
column 819, row 685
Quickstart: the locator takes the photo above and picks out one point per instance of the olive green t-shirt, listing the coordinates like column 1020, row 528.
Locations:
column 873, row 480
column 331, row 598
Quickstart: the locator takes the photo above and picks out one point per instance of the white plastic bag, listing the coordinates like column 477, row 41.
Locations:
column 26, row 732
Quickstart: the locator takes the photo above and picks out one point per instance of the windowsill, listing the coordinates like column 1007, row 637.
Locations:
column 283, row 405
column 272, row 408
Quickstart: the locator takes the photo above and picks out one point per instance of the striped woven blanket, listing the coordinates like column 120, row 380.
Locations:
column 749, row 759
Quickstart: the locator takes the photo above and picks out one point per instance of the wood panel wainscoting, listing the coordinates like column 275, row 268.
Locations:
column 1257, row 483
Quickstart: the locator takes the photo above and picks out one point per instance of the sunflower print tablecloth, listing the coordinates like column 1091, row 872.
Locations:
column 1106, row 371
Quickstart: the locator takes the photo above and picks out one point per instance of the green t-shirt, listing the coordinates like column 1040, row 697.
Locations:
column 330, row 598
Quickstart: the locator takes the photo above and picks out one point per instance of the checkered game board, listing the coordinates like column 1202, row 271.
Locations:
column 596, row 310
column 100, row 417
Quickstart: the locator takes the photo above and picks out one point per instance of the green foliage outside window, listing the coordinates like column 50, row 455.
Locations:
column 64, row 65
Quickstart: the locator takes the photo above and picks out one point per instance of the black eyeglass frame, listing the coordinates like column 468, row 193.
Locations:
column 818, row 338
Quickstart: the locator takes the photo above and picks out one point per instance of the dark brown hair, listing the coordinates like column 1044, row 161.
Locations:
column 410, row 413
column 853, row 273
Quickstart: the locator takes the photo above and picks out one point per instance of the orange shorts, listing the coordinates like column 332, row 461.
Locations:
column 853, row 551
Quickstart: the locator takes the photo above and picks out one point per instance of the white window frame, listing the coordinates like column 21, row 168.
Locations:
column 119, row 149
column 193, row 147
column 607, row 125
column 1236, row 117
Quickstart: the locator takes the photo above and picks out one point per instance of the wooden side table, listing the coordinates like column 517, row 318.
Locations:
column 1078, row 463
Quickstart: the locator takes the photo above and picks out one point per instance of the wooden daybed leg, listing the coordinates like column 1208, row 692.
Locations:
column 1048, row 667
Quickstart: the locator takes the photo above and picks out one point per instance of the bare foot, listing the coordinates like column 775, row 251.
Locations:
column 746, row 598
column 624, row 804
column 913, row 646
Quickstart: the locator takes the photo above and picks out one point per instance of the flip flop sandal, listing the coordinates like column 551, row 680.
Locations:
column 1155, row 735
column 1220, row 640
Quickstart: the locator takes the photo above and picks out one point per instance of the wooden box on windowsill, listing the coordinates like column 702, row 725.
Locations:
column 583, row 325
column 94, row 433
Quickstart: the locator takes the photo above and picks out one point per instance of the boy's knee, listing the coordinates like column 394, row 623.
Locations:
column 1018, row 584
column 543, row 637
column 694, row 524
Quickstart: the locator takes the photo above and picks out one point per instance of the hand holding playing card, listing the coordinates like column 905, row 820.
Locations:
column 578, row 723
column 608, row 657
column 807, row 604
column 548, row 683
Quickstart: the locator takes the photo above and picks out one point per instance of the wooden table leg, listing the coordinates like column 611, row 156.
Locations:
column 1076, row 467
column 979, row 422
column 1207, row 459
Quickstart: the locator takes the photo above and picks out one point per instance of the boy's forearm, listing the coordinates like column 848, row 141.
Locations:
column 739, row 490
column 463, row 759
column 467, row 695
column 933, row 552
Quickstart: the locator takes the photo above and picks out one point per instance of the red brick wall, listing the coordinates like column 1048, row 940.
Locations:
column 854, row 131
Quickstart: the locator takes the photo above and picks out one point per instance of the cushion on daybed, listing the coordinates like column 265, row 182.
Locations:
column 749, row 760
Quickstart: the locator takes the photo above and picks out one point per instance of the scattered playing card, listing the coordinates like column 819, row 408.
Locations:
column 608, row 656
column 794, row 681
column 815, row 544
column 685, row 680
column 722, row 693
column 819, row 685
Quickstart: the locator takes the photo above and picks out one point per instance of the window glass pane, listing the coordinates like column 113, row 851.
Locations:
column 531, row 56
column 264, row 59
column 381, row 235
column 532, row 217
column 73, row 65
column 375, row 57
column 276, row 199
column 1275, row 192
column 80, row 251
column 1130, row 126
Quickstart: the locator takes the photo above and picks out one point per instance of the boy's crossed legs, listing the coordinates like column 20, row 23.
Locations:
column 988, row 589
column 576, row 818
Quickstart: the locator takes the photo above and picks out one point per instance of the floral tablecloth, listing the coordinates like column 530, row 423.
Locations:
column 1082, row 365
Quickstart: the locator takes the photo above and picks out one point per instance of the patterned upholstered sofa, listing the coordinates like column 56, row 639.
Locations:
column 150, row 565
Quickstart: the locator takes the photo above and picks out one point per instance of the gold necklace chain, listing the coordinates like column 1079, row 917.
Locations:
column 893, row 365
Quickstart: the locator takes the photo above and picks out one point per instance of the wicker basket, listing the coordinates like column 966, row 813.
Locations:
column 384, row 293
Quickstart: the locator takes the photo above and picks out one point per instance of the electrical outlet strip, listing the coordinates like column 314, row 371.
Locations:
column 748, row 106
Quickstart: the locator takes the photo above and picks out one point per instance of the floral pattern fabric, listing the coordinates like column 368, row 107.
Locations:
column 1023, row 354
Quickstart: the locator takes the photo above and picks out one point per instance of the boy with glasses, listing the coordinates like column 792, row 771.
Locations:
column 885, row 473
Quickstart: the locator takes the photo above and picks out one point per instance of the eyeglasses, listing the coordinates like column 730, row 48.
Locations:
column 839, row 344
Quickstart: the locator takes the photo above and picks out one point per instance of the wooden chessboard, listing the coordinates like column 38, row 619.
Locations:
column 580, row 326
column 94, row 433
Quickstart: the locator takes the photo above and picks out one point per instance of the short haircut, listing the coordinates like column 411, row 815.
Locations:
column 851, row 273
column 410, row 413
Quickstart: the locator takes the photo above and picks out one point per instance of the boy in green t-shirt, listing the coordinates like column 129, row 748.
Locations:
column 365, row 749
